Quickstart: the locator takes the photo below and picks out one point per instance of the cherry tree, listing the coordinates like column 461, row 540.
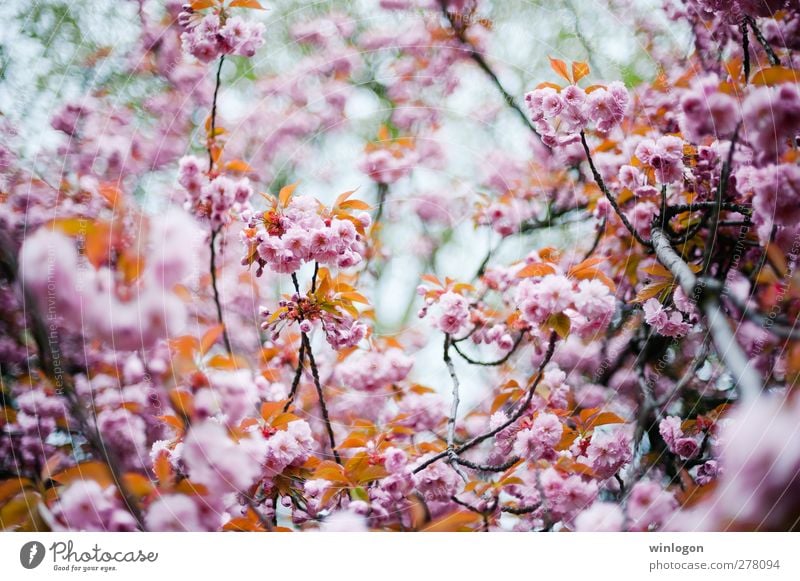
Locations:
column 218, row 353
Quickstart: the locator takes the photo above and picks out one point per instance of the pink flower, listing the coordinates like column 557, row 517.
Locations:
column 594, row 300
column 395, row 460
column 539, row 440
column 771, row 119
column 551, row 104
column 670, row 430
column 179, row 512
column 566, row 496
column 214, row 460
column 437, row 482
column 711, row 113
column 454, row 315
column 600, row 517
column 687, row 448
column 667, row 324
column 609, row 451
column 649, row 506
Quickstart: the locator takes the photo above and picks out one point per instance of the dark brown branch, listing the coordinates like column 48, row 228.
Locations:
column 773, row 58
column 601, row 184
column 298, row 374
column 46, row 357
column 215, row 232
column 697, row 206
column 495, row 363
column 479, row 59
column 488, row 467
column 515, row 416
column 215, row 288
column 745, row 50
column 520, row 510
column 213, row 135
column 325, row 416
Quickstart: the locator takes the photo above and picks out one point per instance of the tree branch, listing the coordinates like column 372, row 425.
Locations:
column 9, row 269
column 601, row 184
column 215, row 288
column 486, row 68
column 469, row 444
column 747, row 380
column 318, row 385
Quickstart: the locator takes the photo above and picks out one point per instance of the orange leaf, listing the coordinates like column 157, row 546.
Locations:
column 548, row 86
column 579, row 70
column 98, row 244
column 202, row 4
column 163, row 471
column 355, row 205
column 111, row 193
column 770, row 76
column 651, row 291
column 91, row 470
column 238, row 165
column 254, row 4
column 589, row 262
column 353, row 441
column 137, row 484
column 383, row 133
column 328, row 470
column 431, row 279
column 182, row 402
column 209, row 338
column 536, row 269
column 12, row 487
column 172, row 422
column 560, row 67
column 269, row 409
column 453, row 522
column 286, row 194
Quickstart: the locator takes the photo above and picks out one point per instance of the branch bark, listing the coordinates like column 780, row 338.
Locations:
column 746, row 378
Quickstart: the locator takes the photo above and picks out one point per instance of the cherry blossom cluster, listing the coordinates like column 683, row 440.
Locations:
column 559, row 115
column 589, row 304
column 342, row 330
column 304, row 231
column 214, row 199
column 213, row 34
column 372, row 370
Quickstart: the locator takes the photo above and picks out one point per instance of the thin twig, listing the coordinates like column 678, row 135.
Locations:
column 476, row 56
column 215, row 232
column 318, row 385
column 745, row 50
column 488, row 467
column 215, row 288
column 495, row 363
column 469, row 444
column 520, row 510
column 773, row 58
column 601, row 184
column 298, row 373
column 451, row 421
column 213, row 135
